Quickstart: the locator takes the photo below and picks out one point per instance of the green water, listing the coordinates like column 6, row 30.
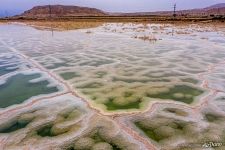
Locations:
column 157, row 133
column 101, row 74
column 46, row 131
column 17, row 89
column 184, row 89
column 4, row 70
column 212, row 117
column 96, row 63
column 127, row 80
column 15, row 126
column 57, row 65
column 190, row 80
column 172, row 74
column 98, row 138
column 90, row 85
column 112, row 106
column 149, row 132
column 69, row 75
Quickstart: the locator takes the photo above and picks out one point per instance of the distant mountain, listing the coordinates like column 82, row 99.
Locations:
column 72, row 11
column 218, row 9
column 61, row 11
column 221, row 5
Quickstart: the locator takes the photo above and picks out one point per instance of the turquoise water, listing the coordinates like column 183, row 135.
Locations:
column 17, row 89
column 14, row 126
column 4, row 69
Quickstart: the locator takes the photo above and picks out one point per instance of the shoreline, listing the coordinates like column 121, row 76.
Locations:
column 74, row 24
column 119, row 18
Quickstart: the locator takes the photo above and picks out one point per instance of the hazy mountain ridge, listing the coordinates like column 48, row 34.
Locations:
column 221, row 5
column 217, row 9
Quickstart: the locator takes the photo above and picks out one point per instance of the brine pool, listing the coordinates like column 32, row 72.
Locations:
column 18, row 88
column 171, row 74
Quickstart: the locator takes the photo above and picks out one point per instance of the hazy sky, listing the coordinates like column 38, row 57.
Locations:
column 17, row 6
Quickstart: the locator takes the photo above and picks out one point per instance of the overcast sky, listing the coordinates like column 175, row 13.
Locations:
column 17, row 6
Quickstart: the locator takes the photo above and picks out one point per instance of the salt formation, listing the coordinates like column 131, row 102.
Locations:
column 63, row 122
column 133, row 93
